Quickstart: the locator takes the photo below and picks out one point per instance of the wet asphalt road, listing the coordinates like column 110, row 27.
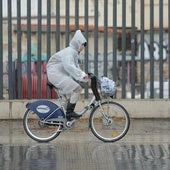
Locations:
column 145, row 147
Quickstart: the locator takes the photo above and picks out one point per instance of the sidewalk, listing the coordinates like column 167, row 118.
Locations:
column 141, row 131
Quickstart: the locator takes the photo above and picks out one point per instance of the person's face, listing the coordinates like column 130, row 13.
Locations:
column 82, row 46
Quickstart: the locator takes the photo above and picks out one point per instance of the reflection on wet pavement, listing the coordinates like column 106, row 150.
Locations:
column 87, row 156
column 79, row 149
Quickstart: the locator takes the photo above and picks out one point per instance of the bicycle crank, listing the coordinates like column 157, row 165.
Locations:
column 70, row 123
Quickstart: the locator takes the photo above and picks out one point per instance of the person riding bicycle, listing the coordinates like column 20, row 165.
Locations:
column 63, row 72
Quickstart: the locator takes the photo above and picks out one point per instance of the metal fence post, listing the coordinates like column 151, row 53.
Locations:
column 169, row 43
column 161, row 74
column 133, row 41
column 105, row 37
column 29, row 77
column 86, row 58
column 10, row 69
column 67, row 22
column 76, row 14
column 124, row 49
column 57, row 25
column 39, row 77
column 48, row 40
column 142, row 39
column 1, row 50
column 19, row 52
column 96, row 38
column 151, row 49
column 114, row 67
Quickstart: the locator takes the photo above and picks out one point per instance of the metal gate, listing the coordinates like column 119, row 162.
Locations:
column 128, row 41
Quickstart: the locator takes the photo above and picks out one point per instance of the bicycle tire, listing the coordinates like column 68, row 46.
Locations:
column 115, row 127
column 37, row 131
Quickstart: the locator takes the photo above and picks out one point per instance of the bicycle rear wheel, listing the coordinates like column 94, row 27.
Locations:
column 37, row 130
column 110, row 122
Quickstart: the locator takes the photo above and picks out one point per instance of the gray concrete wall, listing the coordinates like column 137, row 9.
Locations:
column 137, row 108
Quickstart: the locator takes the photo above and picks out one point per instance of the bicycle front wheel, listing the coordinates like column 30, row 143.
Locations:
column 37, row 130
column 109, row 121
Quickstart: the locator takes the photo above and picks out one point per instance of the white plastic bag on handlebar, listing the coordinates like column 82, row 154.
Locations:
column 108, row 86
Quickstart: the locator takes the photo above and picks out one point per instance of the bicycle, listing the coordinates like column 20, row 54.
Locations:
column 44, row 120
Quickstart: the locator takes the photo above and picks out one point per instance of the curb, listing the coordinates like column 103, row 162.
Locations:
column 137, row 108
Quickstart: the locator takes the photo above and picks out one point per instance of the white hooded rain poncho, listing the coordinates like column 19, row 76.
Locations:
column 63, row 67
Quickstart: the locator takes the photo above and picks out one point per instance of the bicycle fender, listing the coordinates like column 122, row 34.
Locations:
column 43, row 108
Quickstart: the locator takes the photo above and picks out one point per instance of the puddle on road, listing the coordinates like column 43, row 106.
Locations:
column 25, row 157
column 84, row 156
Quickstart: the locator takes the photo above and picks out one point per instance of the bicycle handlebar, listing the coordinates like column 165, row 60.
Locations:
column 94, row 86
column 91, row 75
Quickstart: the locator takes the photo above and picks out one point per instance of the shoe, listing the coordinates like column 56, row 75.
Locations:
column 70, row 111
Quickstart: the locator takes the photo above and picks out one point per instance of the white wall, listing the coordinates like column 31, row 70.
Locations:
column 34, row 7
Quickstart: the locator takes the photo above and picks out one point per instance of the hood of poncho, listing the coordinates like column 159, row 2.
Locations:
column 77, row 40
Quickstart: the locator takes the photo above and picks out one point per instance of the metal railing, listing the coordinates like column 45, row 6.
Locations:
column 123, row 44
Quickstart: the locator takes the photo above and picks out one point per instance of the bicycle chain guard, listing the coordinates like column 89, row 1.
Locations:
column 45, row 108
